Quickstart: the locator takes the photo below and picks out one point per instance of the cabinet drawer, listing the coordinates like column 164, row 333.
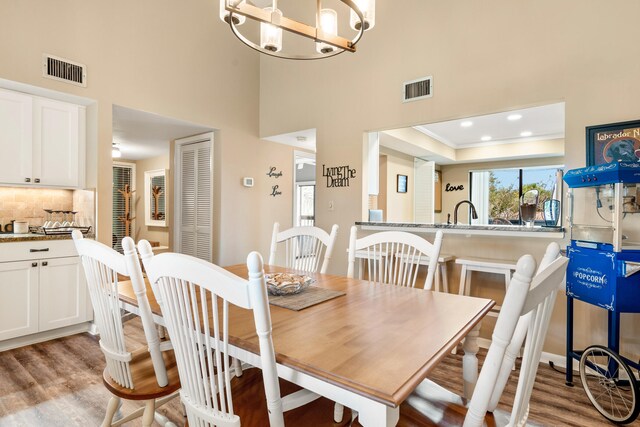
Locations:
column 37, row 249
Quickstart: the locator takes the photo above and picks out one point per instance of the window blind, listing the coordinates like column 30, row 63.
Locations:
column 122, row 175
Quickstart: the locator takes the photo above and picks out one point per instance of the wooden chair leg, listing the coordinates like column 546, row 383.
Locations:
column 149, row 413
column 112, row 407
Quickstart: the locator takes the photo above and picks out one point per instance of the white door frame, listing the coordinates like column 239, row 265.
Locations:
column 296, row 154
column 177, row 184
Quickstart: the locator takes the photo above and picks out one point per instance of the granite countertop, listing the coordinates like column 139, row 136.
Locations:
column 467, row 230
column 489, row 227
column 9, row 238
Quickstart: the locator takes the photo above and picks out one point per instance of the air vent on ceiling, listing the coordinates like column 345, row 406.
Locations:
column 417, row 89
column 64, row 70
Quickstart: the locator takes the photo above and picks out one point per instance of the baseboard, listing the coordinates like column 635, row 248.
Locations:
column 558, row 360
column 45, row 336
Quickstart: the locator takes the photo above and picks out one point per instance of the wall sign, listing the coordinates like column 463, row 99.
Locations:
column 273, row 174
column 450, row 187
column 275, row 192
column 338, row 176
column 615, row 142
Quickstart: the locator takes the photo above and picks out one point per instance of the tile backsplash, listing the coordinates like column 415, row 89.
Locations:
column 28, row 204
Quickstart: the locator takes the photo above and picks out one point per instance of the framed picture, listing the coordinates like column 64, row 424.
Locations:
column 615, row 142
column 402, row 183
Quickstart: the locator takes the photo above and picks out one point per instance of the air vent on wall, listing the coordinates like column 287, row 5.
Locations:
column 417, row 89
column 64, row 70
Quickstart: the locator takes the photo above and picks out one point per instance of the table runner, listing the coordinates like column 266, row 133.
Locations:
column 310, row 296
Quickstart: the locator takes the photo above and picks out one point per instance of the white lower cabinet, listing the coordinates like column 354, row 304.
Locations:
column 62, row 294
column 18, row 299
column 41, row 294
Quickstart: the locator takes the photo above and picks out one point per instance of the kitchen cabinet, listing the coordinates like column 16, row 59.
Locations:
column 42, row 287
column 50, row 137
column 18, row 299
column 16, row 136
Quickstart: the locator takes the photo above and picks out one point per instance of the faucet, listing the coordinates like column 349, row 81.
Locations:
column 474, row 214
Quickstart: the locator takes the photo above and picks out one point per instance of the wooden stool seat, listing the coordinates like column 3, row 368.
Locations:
column 485, row 265
column 143, row 376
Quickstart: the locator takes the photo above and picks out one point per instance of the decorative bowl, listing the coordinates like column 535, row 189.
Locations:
column 286, row 283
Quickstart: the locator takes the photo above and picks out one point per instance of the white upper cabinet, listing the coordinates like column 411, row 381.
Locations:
column 58, row 143
column 16, row 135
column 50, row 137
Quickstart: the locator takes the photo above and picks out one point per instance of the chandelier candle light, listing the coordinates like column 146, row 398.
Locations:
column 324, row 33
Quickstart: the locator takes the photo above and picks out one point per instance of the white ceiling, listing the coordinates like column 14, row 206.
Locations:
column 305, row 139
column 141, row 135
column 544, row 122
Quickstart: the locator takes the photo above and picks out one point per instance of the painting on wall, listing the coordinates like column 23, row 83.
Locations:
column 615, row 142
column 402, row 184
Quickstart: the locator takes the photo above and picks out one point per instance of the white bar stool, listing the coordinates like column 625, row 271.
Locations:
column 469, row 265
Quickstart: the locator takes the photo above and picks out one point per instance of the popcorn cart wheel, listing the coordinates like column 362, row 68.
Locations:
column 604, row 271
column 610, row 384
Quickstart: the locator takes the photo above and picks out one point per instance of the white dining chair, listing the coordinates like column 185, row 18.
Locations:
column 528, row 305
column 148, row 373
column 195, row 297
column 305, row 247
column 394, row 257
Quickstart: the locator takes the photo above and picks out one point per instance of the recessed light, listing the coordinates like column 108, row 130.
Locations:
column 466, row 124
column 526, row 133
column 514, row 117
column 485, row 138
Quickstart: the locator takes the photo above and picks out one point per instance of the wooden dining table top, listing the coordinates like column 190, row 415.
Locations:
column 379, row 341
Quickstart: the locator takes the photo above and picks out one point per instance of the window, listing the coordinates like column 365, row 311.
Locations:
column 496, row 192
column 306, row 203
column 123, row 174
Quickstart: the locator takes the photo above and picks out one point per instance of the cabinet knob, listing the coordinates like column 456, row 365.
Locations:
column 37, row 180
column 45, row 263
column 34, row 264
column 27, row 180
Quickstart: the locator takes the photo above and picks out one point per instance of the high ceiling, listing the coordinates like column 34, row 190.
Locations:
column 141, row 135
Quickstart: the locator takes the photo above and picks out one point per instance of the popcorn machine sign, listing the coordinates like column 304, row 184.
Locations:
column 590, row 278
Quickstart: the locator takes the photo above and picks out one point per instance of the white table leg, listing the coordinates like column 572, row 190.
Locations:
column 470, row 361
column 378, row 415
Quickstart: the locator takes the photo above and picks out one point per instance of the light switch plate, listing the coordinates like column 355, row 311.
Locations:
column 247, row 181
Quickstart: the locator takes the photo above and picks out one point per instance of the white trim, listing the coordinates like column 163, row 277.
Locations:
column 177, row 183
column 559, row 360
column 46, row 336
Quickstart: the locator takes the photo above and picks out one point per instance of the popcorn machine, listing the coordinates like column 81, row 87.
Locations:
column 604, row 270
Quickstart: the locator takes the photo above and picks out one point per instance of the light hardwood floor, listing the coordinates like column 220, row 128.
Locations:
column 59, row 383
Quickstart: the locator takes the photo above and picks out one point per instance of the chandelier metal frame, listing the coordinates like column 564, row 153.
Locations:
column 242, row 8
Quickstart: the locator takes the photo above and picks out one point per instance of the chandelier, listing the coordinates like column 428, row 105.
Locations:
column 272, row 22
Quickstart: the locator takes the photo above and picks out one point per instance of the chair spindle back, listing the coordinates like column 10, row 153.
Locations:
column 195, row 297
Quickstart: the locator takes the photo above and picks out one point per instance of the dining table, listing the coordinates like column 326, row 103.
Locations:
column 367, row 349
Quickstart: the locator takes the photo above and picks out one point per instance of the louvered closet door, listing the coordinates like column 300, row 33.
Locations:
column 195, row 200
